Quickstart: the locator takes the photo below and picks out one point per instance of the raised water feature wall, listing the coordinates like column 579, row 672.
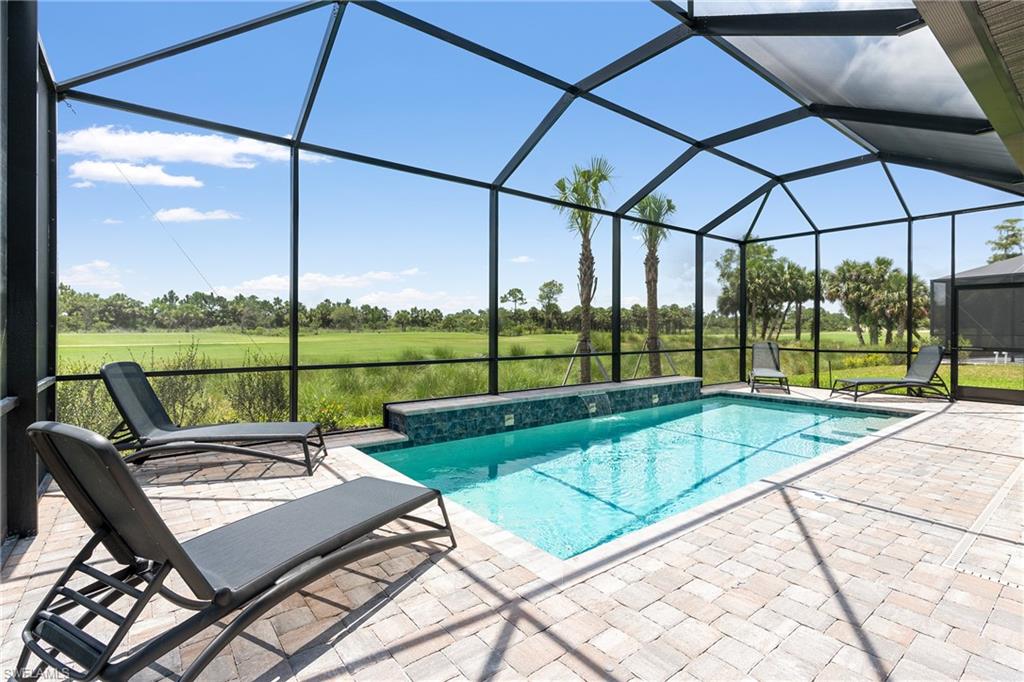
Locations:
column 434, row 421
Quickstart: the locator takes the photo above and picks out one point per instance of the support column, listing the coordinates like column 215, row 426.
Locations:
column 817, row 309
column 743, row 311
column 492, row 297
column 21, row 158
column 293, row 289
column 910, row 291
column 616, row 298
column 953, row 315
column 698, row 306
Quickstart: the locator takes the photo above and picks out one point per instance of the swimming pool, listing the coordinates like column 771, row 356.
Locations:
column 570, row 487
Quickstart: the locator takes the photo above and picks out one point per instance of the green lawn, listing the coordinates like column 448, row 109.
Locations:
column 229, row 349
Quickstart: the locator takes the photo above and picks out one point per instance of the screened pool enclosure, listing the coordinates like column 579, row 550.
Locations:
column 813, row 174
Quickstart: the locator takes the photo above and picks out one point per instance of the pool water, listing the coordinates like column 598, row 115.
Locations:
column 570, row 487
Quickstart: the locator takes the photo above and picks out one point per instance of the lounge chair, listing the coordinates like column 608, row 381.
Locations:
column 766, row 367
column 148, row 431
column 242, row 569
column 921, row 378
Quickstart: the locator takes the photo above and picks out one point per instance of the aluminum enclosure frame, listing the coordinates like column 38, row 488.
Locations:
column 873, row 22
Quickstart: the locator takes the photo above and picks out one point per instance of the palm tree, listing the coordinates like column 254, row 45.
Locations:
column 584, row 187
column 802, row 291
column 656, row 208
column 850, row 285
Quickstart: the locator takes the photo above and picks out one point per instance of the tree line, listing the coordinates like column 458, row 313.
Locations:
column 872, row 294
column 89, row 312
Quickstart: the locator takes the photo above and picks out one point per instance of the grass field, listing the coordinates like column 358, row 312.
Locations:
column 353, row 397
column 228, row 349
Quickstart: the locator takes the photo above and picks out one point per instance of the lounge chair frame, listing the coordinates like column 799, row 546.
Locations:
column 47, row 633
column 757, row 380
column 936, row 387
column 929, row 357
column 124, row 439
column 129, row 436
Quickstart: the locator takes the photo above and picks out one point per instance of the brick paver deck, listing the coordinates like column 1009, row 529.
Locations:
column 901, row 560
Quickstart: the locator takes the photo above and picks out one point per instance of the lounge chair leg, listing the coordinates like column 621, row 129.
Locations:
column 447, row 522
column 309, row 462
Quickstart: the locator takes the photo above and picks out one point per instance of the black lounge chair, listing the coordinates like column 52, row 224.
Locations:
column 921, row 379
column 148, row 431
column 766, row 367
column 242, row 569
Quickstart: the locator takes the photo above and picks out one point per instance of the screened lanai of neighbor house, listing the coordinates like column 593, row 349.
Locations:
column 542, row 340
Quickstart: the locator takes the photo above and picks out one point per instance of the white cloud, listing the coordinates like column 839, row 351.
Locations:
column 409, row 297
column 628, row 301
column 84, row 184
column 314, row 282
column 521, row 259
column 97, row 276
column 112, row 221
column 187, row 214
column 121, row 173
column 123, row 144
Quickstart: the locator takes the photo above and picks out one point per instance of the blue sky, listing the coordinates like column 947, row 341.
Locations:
column 397, row 240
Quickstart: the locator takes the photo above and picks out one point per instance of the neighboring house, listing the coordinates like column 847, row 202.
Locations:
column 991, row 310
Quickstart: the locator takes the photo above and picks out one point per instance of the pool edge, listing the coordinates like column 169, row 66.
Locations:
column 561, row 573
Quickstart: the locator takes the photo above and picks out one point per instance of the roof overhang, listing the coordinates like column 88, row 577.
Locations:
column 985, row 42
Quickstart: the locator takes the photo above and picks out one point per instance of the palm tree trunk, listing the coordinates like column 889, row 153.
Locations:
column 858, row 329
column 586, row 286
column 798, row 320
column 651, row 278
column 782, row 320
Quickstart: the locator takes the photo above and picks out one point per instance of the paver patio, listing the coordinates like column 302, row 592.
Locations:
column 902, row 560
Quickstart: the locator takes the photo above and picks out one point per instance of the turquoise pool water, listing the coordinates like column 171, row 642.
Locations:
column 571, row 487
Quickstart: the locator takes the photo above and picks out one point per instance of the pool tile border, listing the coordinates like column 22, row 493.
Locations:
column 440, row 421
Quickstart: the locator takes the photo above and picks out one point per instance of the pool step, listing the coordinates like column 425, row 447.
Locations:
column 818, row 438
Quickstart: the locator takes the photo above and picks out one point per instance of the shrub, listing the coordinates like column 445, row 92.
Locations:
column 258, row 396
column 85, row 403
column 330, row 414
column 185, row 397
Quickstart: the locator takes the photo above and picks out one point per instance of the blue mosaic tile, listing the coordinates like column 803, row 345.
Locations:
column 531, row 410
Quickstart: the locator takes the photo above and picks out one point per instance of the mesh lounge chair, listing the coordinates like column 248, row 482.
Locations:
column 243, row 569
column 921, row 378
column 148, row 431
column 766, row 367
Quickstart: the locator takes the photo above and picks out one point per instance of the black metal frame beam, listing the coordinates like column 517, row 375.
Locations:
column 21, row 225
column 958, row 170
column 652, row 48
column 634, row 58
column 326, row 47
column 757, row 215
column 896, row 189
column 868, row 22
column 737, row 207
column 799, row 207
column 824, row 168
column 710, row 144
column 192, row 44
column 962, row 125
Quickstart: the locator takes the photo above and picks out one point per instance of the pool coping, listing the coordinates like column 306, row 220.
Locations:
column 561, row 573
